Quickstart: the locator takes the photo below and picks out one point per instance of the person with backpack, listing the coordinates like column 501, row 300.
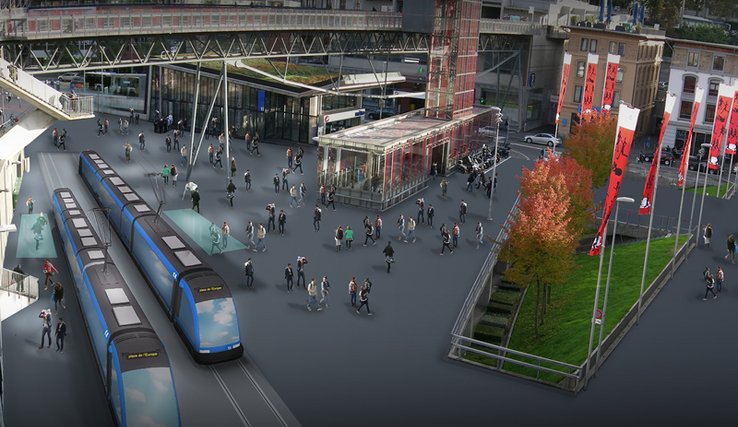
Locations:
column 339, row 238
column 709, row 284
column 364, row 299
column 707, row 234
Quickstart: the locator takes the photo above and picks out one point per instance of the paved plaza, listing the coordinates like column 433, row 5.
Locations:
column 336, row 368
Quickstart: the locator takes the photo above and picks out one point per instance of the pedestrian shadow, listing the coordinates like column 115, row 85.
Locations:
column 267, row 189
column 282, row 287
column 382, row 267
column 330, row 246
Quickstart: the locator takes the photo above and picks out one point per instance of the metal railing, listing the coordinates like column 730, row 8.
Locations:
column 19, row 80
column 110, row 21
column 504, row 26
column 19, row 284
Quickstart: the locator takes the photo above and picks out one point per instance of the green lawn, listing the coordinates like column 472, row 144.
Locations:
column 565, row 334
column 711, row 190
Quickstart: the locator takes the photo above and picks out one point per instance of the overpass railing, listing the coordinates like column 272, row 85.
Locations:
column 134, row 20
column 504, row 26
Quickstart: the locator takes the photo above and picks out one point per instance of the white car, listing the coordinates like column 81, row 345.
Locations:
column 487, row 131
column 542, row 138
column 69, row 77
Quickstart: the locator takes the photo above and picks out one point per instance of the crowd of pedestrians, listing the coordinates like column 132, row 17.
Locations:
column 715, row 282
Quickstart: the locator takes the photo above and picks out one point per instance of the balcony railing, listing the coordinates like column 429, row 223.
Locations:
column 504, row 26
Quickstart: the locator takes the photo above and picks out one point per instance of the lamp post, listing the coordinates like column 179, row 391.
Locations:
column 609, row 271
column 702, row 202
column 498, row 119
column 700, row 155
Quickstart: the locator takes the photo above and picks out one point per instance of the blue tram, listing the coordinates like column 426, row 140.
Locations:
column 196, row 299
column 132, row 360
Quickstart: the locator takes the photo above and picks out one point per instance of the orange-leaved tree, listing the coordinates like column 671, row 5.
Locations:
column 540, row 245
column 591, row 145
column 578, row 180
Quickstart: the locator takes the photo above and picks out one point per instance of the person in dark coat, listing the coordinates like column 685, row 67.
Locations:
column 389, row 255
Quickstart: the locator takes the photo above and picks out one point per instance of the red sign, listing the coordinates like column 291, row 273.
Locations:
column 647, row 198
column 698, row 92
column 627, row 121
column 611, row 74
column 589, row 83
column 720, row 125
column 730, row 147
column 564, row 82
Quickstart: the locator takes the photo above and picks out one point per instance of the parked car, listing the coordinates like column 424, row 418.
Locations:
column 488, row 131
column 69, row 77
column 542, row 138
column 667, row 158
column 374, row 115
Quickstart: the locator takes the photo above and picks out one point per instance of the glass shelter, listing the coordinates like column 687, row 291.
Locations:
column 380, row 164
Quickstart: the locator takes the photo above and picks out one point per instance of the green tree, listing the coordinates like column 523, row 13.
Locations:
column 666, row 13
column 704, row 33
column 592, row 143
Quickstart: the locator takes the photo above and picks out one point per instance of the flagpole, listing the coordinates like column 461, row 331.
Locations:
column 679, row 218
column 594, row 309
column 702, row 202
column 696, row 186
column 648, row 237
column 732, row 165
column 720, row 177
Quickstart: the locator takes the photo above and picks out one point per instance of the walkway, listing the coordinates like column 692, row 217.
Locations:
column 334, row 367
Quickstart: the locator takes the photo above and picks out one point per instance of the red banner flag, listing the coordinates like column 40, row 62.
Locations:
column 698, row 93
column 627, row 121
column 564, row 81
column 730, row 147
column 647, row 198
column 720, row 125
column 611, row 74
column 589, row 83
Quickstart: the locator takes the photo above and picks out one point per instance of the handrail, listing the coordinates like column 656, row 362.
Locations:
column 515, row 352
column 505, row 26
column 520, row 362
column 16, row 283
column 473, row 296
column 102, row 20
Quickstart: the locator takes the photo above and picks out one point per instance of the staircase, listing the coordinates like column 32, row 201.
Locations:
column 495, row 324
column 16, row 292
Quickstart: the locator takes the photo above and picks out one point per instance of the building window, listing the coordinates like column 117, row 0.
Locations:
column 580, row 68
column 693, row 59
column 718, row 62
column 685, row 111
column 689, row 83
column 619, row 77
column 577, row 94
column 613, row 48
column 616, row 99
column 709, row 113
column 585, row 45
column 714, row 87
column 593, row 45
column 621, row 49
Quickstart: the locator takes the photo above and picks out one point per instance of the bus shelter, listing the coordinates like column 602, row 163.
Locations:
column 380, row 164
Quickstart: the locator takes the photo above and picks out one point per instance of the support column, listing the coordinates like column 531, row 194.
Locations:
column 190, row 160
column 225, row 119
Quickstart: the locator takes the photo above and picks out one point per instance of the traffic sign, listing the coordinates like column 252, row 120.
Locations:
column 598, row 317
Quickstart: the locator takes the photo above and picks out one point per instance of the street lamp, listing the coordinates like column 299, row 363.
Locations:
column 497, row 120
column 702, row 202
column 609, row 270
column 701, row 153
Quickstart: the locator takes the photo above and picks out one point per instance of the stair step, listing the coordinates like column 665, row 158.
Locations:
column 495, row 319
column 505, row 297
column 496, row 307
column 509, row 287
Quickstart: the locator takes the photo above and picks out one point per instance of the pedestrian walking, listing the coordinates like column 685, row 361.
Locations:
column 353, row 290
column 431, row 212
column 298, row 164
column 707, row 234
column 45, row 317
column 173, row 173
column 226, row 231
column 377, row 228
column 470, row 180
column 719, row 277
column 165, row 173
column 275, row 181
column 462, row 211
column 301, row 261
column 260, row 239
column 389, row 255
column 247, row 179
column 369, row 235
column 18, row 277
column 709, row 284
column 480, row 234
column 289, row 157
column 446, row 238
column 250, row 234
column 168, row 143
column 282, row 220
column 303, row 194
column 317, row 214
column 141, row 141
column 455, row 232
column 323, row 194
column 58, row 296
column 248, row 269
column 29, row 204
column 128, row 150
column 293, row 197
column 411, row 230
column 421, row 210
column 215, row 240
column 175, row 145
column 218, row 158
column 195, row 200
column 731, row 249
column 339, row 238
column 211, row 154
column 331, row 200
column 183, row 156
column 60, row 333
column 48, row 270
column 312, row 291
column 364, row 300
column 288, row 275
column 349, row 236
column 231, row 191
column 444, row 188
column 285, row 183
column 401, row 227
column 325, row 289
column 272, row 209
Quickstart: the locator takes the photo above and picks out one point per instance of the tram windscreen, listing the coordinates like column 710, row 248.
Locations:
column 150, row 398
column 218, row 322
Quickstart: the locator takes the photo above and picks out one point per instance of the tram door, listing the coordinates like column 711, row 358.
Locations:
column 439, row 156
